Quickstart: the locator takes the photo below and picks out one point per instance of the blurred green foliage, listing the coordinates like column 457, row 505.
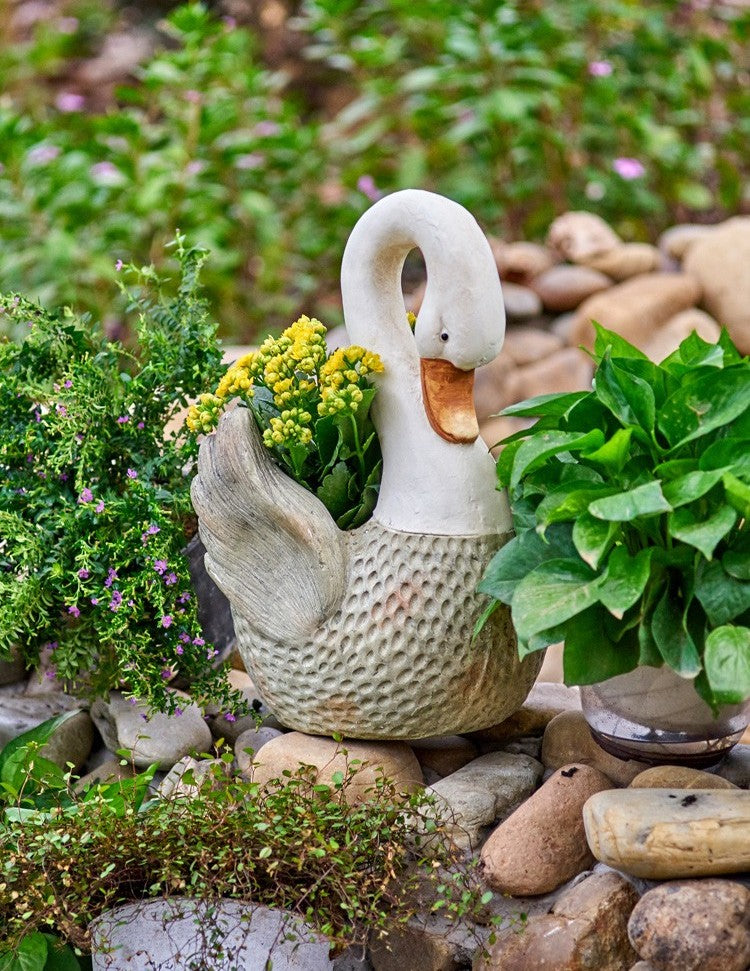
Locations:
column 518, row 109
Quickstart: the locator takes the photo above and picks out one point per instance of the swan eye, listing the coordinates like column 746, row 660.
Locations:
column 444, row 336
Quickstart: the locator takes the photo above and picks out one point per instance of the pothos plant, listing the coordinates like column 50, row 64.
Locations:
column 313, row 410
column 631, row 506
column 95, row 491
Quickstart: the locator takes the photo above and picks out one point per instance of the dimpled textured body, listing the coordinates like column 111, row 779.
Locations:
column 396, row 660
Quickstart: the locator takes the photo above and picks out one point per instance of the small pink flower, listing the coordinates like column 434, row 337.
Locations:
column 86, row 495
column 141, row 424
column 119, row 265
column 42, row 154
column 105, row 172
column 160, row 566
column 74, row 611
column 265, row 128
column 366, row 185
column 99, row 507
column 67, row 25
column 195, row 167
column 179, row 649
column 252, row 160
column 84, row 574
column 67, row 384
column 95, row 601
column 68, row 102
column 166, row 620
column 628, row 168
column 194, row 97
column 123, row 419
column 600, row 69
column 132, row 474
column 229, row 717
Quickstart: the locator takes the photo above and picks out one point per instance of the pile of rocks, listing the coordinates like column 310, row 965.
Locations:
column 533, row 798
column 654, row 296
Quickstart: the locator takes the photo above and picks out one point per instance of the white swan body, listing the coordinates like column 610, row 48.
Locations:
column 368, row 633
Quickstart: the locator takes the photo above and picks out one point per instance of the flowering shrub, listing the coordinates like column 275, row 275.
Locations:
column 94, row 498
column 314, row 414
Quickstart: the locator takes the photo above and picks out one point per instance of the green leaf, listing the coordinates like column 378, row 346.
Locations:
column 727, row 661
column 593, row 538
column 546, row 405
column 648, row 652
column 692, row 486
column 722, row 596
column 618, row 346
column 738, row 494
column 674, row 468
column 519, row 557
column 535, row 450
column 31, row 955
column 333, row 491
column 704, row 533
column 629, row 398
column 730, row 453
column 552, row 593
column 625, row 580
column 671, row 636
column 613, row 453
column 644, row 500
column 15, row 754
column 590, row 655
column 737, row 564
column 59, row 956
column 568, row 501
column 703, row 405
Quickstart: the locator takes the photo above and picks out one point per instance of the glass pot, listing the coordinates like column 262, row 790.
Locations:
column 655, row 716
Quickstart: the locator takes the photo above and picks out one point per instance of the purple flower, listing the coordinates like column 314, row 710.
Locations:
column 177, row 712
column 116, row 600
column 600, row 69
column 628, row 168
column 61, row 410
column 184, row 637
column 105, row 172
column 179, row 649
column 170, row 579
column 183, row 598
column 195, row 167
column 252, row 160
column 84, row 574
column 74, row 611
column 132, row 474
column 153, row 529
column 198, row 641
column 119, row 265
column 67, row 384
column 63, row 477
column 41, row 154
column 86, row 495
column 366, row 185
column 166, row 620
column 79, row 437
column 111, row 577
column 95, row 601
column 69, row 101
column 141, row 424
column 194, row 97
column 229, row 717
column 160, row 566
column 123, row 419
column 67, row 25
column 99, row 507
column 37, row 415
column 166, row 674
column 265, row 128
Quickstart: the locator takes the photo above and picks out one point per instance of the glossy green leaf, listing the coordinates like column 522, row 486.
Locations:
column 702, row 532
column 692, row 486
column 722, row 596
column 703, row 405
column 629, row 398
column 730, row 453
column 30, row 955
column 549, row 443
column 14, row 755
column 614, row 452
column 727, row 663
column 617, row 345
column 590, row 655
column 670, row 634
column 674, row 468
column 737, row 564
column 625, row 580
column 738, row 494
column 593, row 538
column 552, row 593
column 547, row 405
column 520, row 556
column 568, row 501
column 59, row 956
column 644, row 500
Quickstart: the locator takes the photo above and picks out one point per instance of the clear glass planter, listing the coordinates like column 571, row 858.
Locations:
column 655, row 716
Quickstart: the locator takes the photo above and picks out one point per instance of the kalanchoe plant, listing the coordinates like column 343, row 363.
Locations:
column 631, row 506
column 94, row 495
column 313, row 410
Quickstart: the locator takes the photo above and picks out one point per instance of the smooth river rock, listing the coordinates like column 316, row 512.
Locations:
column 678, row 777
column 564, row 287
column 568, row 738
column 662, row 834
column 443, row 755
column 626, row 260
column 579, row 235
column 486, row 790
column 693, row 925
column 543, row 844
column 671, row 334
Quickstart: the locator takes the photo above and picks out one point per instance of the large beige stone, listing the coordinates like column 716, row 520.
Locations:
column 576, row 236
column 495, row 386
column 566, row 370
column 586, row 931
column 525, row 345
column 678, row 777
column 521, row 262
column 542, row 844
column 568, row 738
column 521, row 303
column 566, row 286
column 371, row 761
column 693, row 925
column 625, row 260
column 719, row 263
column 671, row 334
column 677, row 240
column 662, row 834
column 70, row 743
column 636, row 308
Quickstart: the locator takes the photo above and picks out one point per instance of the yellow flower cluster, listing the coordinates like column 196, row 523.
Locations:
column 341, row 379
column 304, row 383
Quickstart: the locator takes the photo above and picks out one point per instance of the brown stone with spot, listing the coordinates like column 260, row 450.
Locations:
column 586, row 931
column 678, row 777
column 636, row 308
column 543, row 843
column 568, row 738
column 693, row 925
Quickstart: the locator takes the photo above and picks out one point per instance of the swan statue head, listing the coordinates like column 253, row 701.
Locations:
column 369, row 632
column 438, row 476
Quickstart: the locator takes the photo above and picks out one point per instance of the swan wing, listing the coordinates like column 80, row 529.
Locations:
column 271, row 545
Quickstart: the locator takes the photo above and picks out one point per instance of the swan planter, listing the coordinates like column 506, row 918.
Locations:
column 369, row 632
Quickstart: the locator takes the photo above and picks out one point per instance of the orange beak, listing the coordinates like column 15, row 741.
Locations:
column 448, row 398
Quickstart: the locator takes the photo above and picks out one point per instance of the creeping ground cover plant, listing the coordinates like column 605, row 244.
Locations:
column 631, row 506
